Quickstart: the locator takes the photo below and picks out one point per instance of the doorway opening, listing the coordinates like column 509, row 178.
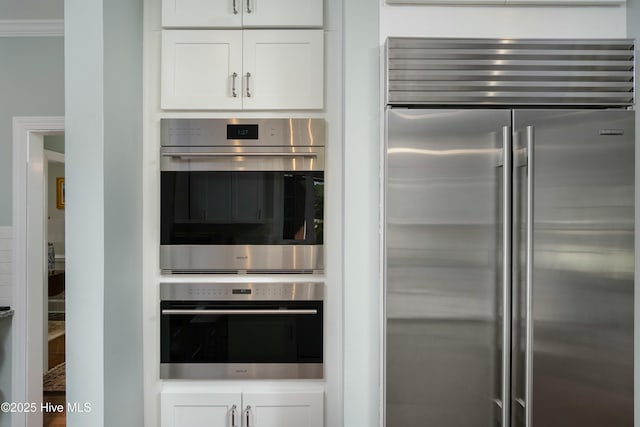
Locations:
column 31, row 270
column 54, row 378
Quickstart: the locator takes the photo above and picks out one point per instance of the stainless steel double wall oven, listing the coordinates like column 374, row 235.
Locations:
column 242, row 195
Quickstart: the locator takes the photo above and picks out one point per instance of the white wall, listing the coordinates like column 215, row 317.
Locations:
column 361, row 214
column 84, row 137
column 103, row 52
column 363, row 139
column 31, row 84
column 502, row 21
column 31, row 9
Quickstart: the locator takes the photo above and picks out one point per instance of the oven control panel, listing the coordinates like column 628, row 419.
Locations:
column 307, row 291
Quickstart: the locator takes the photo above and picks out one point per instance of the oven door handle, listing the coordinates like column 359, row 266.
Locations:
column 216, row 312
column 196, row 154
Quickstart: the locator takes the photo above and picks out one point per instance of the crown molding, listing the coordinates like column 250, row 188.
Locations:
column 31, row 28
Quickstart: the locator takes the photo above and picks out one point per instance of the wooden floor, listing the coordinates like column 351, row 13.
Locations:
column 55, row 419
column 54, row 380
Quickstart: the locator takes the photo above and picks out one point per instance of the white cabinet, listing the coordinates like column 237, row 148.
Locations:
column 283, row 69
column 283, row 409
column 248, row 409
column 242, row 69
column 200, row 409
column 201, row 69
column 242, row 13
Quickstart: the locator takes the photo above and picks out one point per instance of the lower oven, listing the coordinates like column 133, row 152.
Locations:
column 241, row 331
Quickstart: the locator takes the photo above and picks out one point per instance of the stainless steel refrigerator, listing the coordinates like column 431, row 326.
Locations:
column 509, row 265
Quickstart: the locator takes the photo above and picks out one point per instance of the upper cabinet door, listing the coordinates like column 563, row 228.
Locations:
column 283, row 69
column 281, row 13
column 242, row 13
column 202, row 13
column 201, row 69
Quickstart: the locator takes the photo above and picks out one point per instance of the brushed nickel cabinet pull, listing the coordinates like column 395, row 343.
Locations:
column 233, row 85
column 233, row 416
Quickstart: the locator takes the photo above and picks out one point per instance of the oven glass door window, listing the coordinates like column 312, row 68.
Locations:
column 242, row 208
column 241, row 338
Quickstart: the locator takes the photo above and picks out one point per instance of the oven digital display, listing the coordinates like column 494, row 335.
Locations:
column 242, row 131
column 241, row 291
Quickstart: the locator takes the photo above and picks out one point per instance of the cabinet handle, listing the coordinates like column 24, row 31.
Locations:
column 235, row 7
column 248, row 90
column 233, row 85
column 247, row 414
column 528, row 374
column 249, row 10
column 233, row 416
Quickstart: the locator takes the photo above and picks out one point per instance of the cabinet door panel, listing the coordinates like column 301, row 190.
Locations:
column 198, row 67
column 201, row 13
column 283, row 69
column 282, row 13
column 199, row 409
column 284, row 409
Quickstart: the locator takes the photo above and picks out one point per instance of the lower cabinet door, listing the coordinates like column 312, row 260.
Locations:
column 283, row 409
column 200, row 409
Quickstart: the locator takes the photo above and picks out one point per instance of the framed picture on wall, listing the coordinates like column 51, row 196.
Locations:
column 60, row 193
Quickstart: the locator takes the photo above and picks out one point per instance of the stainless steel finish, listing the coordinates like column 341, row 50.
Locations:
column 199, row 154
column 213, row 132
column 243, row 312
column 298, row 291
column 308, row 158
column 234, row 76
column 518, row 279
column 249, row 258
column 529, row 281
column 582, row 297
column 444, row 271
column 234, row 408
column 506, row 276
column 281, row 145
column 201, row 371
column 572, row 268
column 192, row 291
column 432, row 71
column 248, row 77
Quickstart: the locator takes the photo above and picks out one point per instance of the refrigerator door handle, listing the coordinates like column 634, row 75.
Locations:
column 506, row 275
column 529, row 279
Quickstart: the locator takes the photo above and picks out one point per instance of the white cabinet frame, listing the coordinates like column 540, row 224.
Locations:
column 242, row 69
column 242, row 13
column 246, row 409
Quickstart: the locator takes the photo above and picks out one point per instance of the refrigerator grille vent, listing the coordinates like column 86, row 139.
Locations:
column 425, row 71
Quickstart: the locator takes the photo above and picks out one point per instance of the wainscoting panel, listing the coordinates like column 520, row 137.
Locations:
column 6, row 259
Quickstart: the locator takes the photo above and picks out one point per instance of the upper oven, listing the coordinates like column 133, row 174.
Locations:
column 242, row 195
